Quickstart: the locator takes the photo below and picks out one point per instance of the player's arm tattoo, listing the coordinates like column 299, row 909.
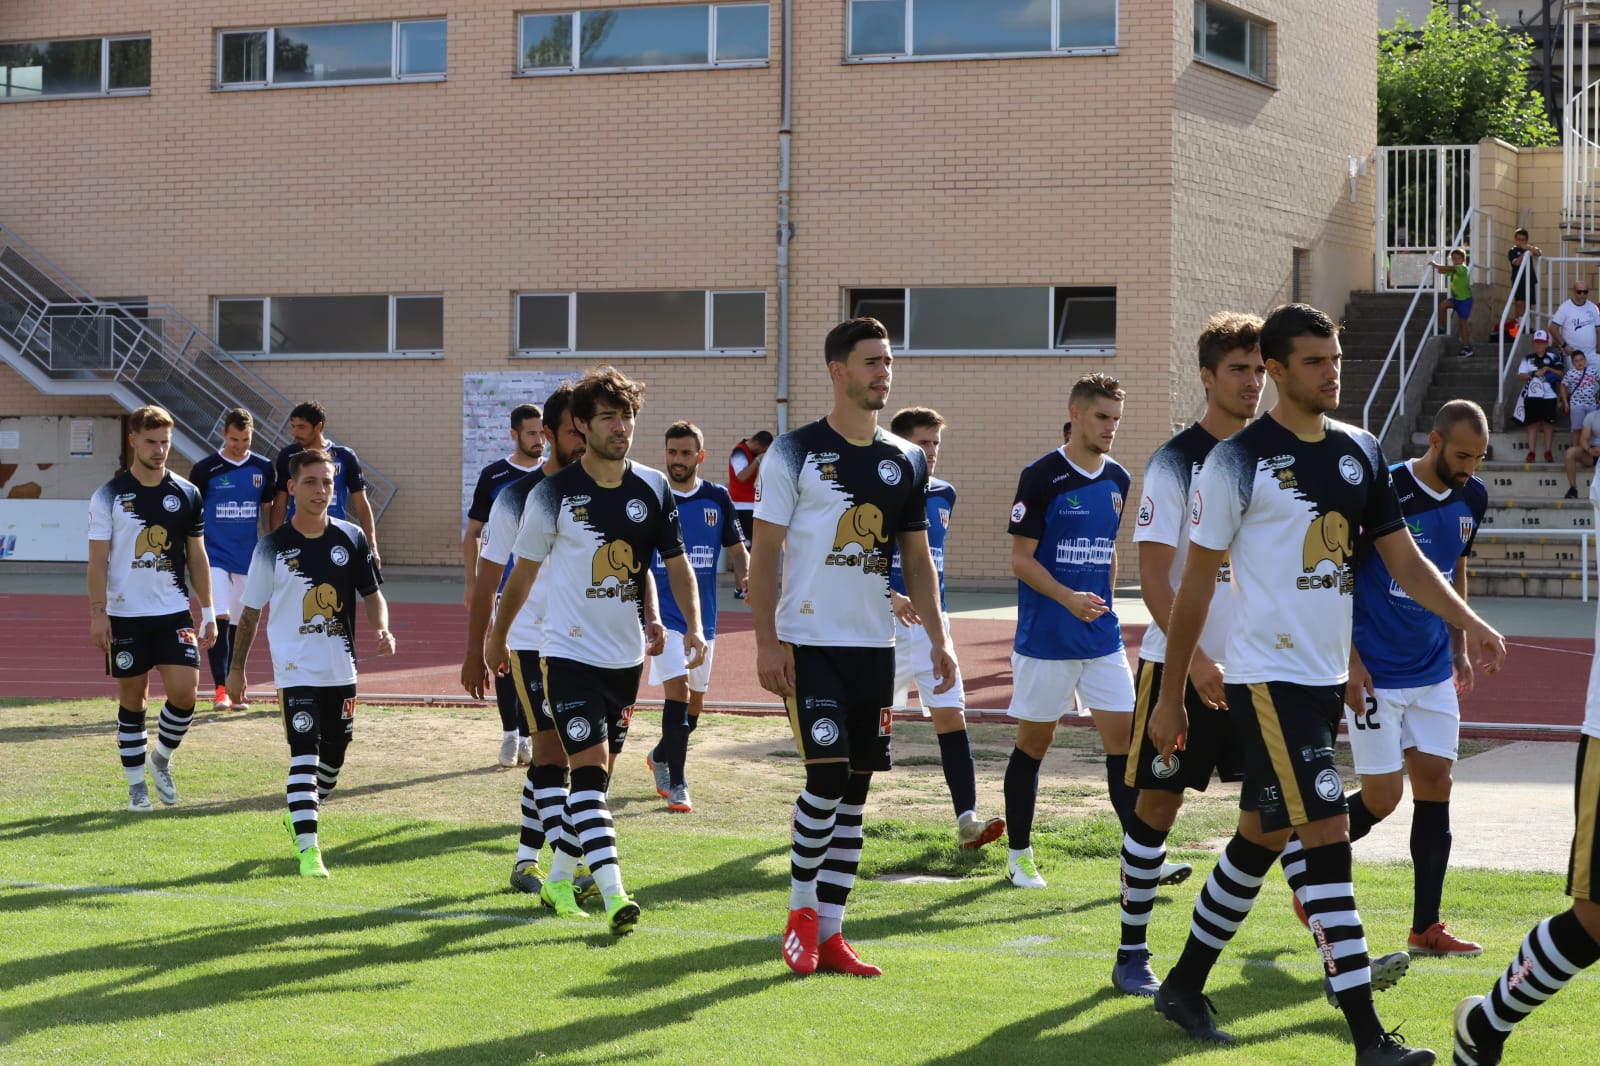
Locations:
column 245, row 636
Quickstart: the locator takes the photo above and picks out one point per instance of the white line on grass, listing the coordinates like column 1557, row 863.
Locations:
column 1026, row 946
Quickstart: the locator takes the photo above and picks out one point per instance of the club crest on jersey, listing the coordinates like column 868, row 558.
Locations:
column 1147, row 511
column 124, row 660
column 339, row 556
column 1161, row 769
column 711, row 514
column 889, row 472
column 578, row 729
column 944, row 517
column 636, row 511
column 1328, row 785
column 256, row 479
column 1466, row 528
column 825, row 731
column 302, row 721
column 1349, row 469
column 170, row 503
column 1116, row 502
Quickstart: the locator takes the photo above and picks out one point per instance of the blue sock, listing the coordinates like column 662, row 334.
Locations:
column 960, row 777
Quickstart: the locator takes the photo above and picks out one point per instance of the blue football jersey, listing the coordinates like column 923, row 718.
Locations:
column 709, row 524
column 233, row 494
column 941, row 501
column 1402, row 643
column 347, row 478
column 1074, row 516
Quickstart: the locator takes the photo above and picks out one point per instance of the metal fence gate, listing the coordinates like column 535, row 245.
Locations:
column 1423, row 192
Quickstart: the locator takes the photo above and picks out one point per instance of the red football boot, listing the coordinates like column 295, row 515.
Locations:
column 800, row 940
column 837, row 956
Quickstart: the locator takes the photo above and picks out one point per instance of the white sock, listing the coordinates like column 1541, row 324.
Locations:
column 830, row 920
column 609, row 879
column 135, row 774
column 163, row 752
column 802, row 894
column 562, row 866
column 305, row 840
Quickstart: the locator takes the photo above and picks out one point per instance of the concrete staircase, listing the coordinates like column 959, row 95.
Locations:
column 1371, row 321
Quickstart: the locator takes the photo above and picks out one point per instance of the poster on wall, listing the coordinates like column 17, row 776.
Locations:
column 486, row 402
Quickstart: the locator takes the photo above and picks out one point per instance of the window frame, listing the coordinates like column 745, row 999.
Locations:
column 105, row 90
column 1254, row 25
column 1053, row 326
column 268, row 82
column 576, row 13
column 571, row 348
column 266, row 328
column 908, row 56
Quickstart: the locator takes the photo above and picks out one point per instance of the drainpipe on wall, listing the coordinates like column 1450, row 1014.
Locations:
column 785, row 230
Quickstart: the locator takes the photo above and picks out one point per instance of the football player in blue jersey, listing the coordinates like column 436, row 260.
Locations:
column 527, row 436
column 236, row 486
column 709, row 523
column 1407, row 668
column 1064, row 552
column 924, row 427
column 350, row 501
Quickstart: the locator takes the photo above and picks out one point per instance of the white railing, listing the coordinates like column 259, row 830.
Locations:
column 1583, row 535
column 1542, row 284
column 1408, row 354
column 1580, row 123
column 1421, row 191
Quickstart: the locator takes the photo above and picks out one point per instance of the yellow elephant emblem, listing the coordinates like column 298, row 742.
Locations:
column 153, row 540
column 861, row 524
column 323, row 600
column 614, row 559
column 1328, row 537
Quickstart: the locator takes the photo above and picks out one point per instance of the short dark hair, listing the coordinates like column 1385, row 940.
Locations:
column 679, row 430
column 522, row 412
column 1519, row 232
column 310, row 411
column 1455, row 412
column 557, row 404
column 1093, row 387
column 908, row 419
column 1066, row 430
column 762, row 437
column 605, row 385
column 237, row 418
column 1227, row 331
column 302, row 459
column 1286, row 322
column 842, row 339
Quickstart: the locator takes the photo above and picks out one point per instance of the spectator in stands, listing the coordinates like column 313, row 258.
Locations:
column 1519, row 249
column 1537, row 403
column 1460, row 298
column 1573, row 324
column 1583, row 452
column 1578, row 390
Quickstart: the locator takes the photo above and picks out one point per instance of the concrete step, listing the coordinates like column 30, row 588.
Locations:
column 1506, row 445
column 1538, row 513
column 1550, row 549
column 1521, row 480
column 1560, row 584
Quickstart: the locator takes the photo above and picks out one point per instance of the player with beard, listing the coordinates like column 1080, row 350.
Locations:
column 146, row 526
column 709, row 523
column 1232, row 374
column 527, row 438
column 1282, row 501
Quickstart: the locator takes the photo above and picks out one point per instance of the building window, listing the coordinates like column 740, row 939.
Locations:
column 335, row 54
column 331, row 326
column 954, row 29
column 91, row 66
column 1231, row 39
column 654, row 323
column 644, row 38
column 1031, row 320
column 1300, row 278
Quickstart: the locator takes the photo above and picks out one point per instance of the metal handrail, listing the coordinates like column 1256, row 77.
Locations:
column 1521, row 281
column 1398, row 345
column 206, row 376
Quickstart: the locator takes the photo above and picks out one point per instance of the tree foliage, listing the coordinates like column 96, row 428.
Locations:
column 1457, row 80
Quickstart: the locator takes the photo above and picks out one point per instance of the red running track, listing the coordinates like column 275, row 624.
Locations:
column 48, row 656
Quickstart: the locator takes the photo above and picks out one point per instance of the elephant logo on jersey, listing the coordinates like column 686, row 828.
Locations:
column 323, row 600
column 1327, row 539
column 152, row 540
column 614, row 559
column 861, row 524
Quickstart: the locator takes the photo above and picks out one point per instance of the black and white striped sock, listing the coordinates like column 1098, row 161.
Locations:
column 1552, row 954
column 1144, row 849
column 303, row 802
column 590, row 818
column 171, row 727
column 838, row 873
column 1224, row 903
column 1330, row 902
column 131, row 743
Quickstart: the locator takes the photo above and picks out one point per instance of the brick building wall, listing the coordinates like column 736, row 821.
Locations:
column 1121, row 170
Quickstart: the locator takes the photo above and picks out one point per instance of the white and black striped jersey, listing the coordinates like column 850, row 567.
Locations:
column 499, row 534
column 1288, row 511
column 149, row 527
column 843, row 505
column 1164, row 519
column 312, row 584
column 596, row 540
